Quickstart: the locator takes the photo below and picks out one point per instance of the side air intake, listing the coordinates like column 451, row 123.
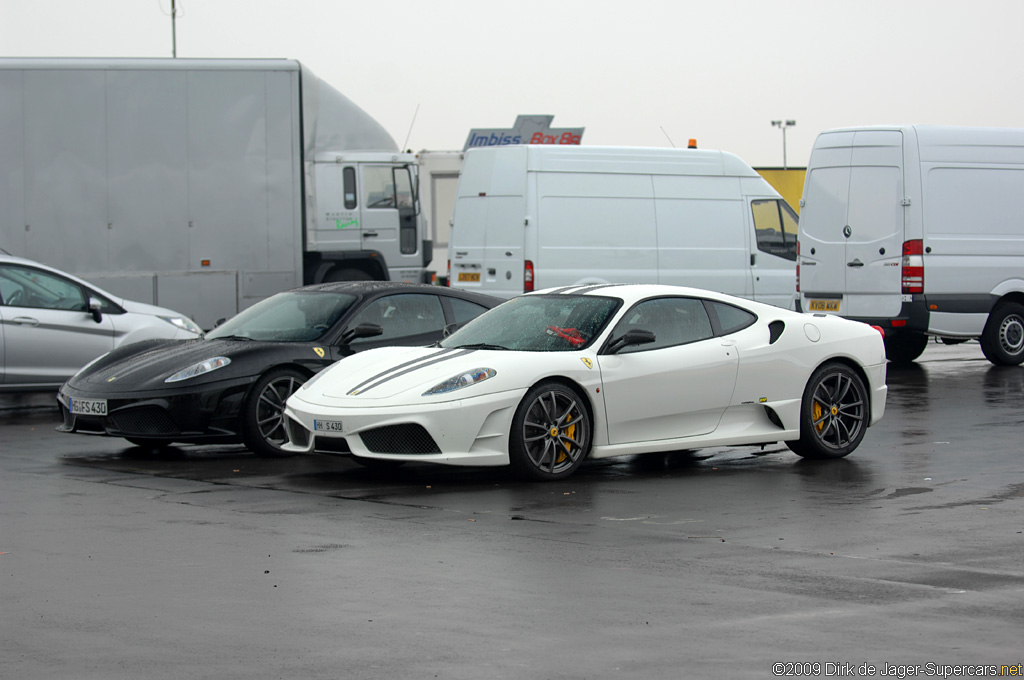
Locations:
column 775, row 329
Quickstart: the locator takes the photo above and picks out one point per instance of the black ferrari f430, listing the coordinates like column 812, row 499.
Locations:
column 231, row 385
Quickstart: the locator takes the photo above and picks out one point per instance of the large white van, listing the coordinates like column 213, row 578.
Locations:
column 919, row 230
column 533, row 217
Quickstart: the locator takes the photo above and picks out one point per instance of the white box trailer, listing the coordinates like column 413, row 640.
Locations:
column 918, row 229
column 533, row 217
column 201, row 185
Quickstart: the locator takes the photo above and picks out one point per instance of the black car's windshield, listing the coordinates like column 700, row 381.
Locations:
column 293, row 316
column 537, row 323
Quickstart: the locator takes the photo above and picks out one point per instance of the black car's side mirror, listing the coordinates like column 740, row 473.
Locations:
column 449, row 329
column 363, row 330
column 634, row 336
column 94, row 308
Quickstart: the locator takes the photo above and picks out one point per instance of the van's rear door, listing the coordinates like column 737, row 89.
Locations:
column 852, row 224
column 486, row 242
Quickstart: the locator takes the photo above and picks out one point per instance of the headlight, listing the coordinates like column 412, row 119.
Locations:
column 199, row 369
column 184, row 323
column 457, row 382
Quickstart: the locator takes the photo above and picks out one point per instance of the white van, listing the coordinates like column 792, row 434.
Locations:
column 533, row 217
column 919, row 230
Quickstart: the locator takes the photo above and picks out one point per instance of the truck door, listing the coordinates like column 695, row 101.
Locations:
column 852, row 225
column 390, row 218
column 338, row 224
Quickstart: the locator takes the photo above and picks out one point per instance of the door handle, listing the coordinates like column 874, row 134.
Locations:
column 855, row 263
column 369, row 234
column 25, row 321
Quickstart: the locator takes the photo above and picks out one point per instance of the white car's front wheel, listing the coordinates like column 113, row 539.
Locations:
column 834, row 414
column 551, row 433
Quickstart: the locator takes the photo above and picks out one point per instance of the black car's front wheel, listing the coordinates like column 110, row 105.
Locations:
column 263, row 412
column 551, row 433
column 834, row 413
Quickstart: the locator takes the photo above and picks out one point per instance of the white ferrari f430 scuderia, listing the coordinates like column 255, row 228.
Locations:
column 547, row 379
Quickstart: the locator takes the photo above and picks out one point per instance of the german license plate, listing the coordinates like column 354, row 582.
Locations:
column 473, row 277
column 328, row 426
column 824, row 305
column 88, row 407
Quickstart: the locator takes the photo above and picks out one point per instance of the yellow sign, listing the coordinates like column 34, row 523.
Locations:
column 319, row 351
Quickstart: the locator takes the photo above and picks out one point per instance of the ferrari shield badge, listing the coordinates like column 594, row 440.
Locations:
column 319, row 351
column 587, row 362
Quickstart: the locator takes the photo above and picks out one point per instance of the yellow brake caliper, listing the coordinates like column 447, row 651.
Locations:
column 816, row 411
column 571, row 433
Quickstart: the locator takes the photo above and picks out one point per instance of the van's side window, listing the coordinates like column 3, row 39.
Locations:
column 775, row 225
column 673, row 320
column 349, row 182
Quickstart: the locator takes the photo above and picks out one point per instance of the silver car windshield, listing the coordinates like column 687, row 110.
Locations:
column 538, row 323
column 293, row 316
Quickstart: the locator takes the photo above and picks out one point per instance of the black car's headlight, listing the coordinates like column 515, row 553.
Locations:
column 202, row 368
column 464, row 379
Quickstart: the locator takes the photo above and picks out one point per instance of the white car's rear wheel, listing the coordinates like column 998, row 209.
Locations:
column 834, row 414
column 551, row 433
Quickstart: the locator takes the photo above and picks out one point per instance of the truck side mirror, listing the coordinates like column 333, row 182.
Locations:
column 94, row 308
column 363, row 330
column 634, row 336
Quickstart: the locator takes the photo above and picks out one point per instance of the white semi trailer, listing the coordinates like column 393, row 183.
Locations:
column 201, row 185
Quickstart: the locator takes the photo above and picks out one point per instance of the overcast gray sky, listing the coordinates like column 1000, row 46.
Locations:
column 716, row 70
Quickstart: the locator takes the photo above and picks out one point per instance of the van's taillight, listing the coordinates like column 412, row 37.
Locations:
column 798, row 266
column 913, row 266
column 527, row 276
column 448, row 281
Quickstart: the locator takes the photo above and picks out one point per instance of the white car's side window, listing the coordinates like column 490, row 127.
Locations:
column 673, row 320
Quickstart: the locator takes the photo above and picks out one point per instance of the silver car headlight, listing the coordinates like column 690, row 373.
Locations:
column 201, row 368
column 465, row 379
column 184, row 323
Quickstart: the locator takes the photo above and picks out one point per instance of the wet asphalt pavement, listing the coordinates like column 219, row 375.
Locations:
column 207, row 562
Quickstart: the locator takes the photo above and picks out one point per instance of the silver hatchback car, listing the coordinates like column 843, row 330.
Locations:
column 52, row 324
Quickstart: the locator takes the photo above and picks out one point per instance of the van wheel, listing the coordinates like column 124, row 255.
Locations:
column 1002, row 341
column 904, row 347
column 833, row 414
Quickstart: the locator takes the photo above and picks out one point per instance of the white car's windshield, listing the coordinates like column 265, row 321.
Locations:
column 538, row 323
column 293, row 316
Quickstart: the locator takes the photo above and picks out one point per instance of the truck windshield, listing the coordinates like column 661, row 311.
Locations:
column 292, row 316
column 538, row 323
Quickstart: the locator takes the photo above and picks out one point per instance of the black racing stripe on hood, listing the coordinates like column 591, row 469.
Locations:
column 409, row 367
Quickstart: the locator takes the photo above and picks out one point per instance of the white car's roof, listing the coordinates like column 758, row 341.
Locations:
column 631, row 293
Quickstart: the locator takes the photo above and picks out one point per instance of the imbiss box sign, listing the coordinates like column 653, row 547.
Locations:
column 527, row 130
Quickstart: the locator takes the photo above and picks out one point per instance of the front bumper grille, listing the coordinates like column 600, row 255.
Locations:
column 145, row 420
column 409, row 438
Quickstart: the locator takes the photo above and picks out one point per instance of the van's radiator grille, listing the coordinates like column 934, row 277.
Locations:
column 405, row 438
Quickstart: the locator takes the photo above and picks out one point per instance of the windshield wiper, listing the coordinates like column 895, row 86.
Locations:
column 481, row 345
column 231, row 337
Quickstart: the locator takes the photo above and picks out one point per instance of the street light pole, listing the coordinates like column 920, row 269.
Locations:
column 174, row 32
column 783, row 124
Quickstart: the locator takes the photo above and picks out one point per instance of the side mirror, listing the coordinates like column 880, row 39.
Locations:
column 363, row 330
column 634, row 336
column 94, row 308
column 220, row 321
column 449, row 329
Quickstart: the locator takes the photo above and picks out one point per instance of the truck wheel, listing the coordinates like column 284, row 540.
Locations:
column 349, row 274
column 904, row 347
column 1002, row 341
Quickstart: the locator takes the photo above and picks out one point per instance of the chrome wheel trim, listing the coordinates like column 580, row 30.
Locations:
column 1011, row 334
